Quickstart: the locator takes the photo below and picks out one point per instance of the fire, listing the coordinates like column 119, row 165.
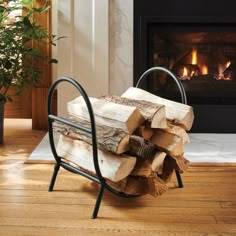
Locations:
column 194, row 57
column 228, row 64
column 198, row 67
column 222, row 68
column 185, row 72
column 204, row 70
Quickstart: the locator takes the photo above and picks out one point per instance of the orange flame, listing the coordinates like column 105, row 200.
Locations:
column 204, row 70
column 228, row 64
column 185, row 72
column 194, row 57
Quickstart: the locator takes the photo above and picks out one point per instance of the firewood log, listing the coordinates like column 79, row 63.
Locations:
column 177, row 113
column 174, row 129
column 142, row 168
column 137, row 185
column 113, row 167
column 140, row 147
column 158, row 162
column 144, row 131
column 173, row 163
column 170, row 143
column 153, row 113
column 111, row 139
column 156, row 186
column 107, row 113
column 169, row 166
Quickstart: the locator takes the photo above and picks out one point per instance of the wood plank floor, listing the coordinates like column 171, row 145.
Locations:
column 205, row 206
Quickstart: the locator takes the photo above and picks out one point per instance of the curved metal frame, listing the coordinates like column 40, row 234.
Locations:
column 158, row 68
column 182, row 94
column 98, row 178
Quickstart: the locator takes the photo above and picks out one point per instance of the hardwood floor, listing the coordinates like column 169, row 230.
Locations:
column 205, row 206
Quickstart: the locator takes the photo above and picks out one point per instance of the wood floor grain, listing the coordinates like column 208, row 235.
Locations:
column 205, row 206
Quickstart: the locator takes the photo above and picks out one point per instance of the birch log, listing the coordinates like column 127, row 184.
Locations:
column 107, row 113
column 108, row 138
column 170, row 143
column 177, row 113
column 158, row 162
column 78, row 152
column 174, row 129
column 153, row 113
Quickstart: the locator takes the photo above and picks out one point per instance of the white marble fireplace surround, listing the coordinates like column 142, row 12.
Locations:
column 98, row 50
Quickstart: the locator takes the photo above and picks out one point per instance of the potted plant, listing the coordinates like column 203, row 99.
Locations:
column 19, row 60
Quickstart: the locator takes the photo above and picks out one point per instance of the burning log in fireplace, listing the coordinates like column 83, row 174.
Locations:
column 140, row 138
column 200, row 65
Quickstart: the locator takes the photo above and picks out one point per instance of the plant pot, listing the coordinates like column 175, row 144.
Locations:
column 1, row 121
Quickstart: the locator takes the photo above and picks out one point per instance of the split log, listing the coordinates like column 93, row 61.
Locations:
column 138, row 185
column 153, row 113
column 149, row 160
column 177, row 113
column 173, row 163
column 142, row 168
column 158, row 162
column 170, row 143
column 156, row 186
column 174, row 129
column 113, row 167
column 108, row 138
column 182, row 163
column 141, row 148
column 169, row 166
column 144, row 131
column 107, row 113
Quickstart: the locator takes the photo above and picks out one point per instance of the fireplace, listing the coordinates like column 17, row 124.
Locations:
column 197, row 42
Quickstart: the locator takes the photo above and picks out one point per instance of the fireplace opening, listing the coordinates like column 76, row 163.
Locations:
column 198, row 44
column 203, row 57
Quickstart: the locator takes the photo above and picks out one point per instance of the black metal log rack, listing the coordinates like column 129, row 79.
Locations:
column 59, row 162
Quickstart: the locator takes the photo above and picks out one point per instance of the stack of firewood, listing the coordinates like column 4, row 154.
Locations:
column 140, row 139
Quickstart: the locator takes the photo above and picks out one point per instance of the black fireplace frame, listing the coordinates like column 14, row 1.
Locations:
column 185, row 12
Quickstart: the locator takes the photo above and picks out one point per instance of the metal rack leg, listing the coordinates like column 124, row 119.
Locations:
column 179, row 179
column 54, row 176
column 98, row 202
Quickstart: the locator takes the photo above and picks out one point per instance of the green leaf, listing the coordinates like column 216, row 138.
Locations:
column 16, row 51
column 27, row 22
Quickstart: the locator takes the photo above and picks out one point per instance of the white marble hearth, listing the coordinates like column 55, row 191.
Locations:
column 220, row 148
column 203, row 148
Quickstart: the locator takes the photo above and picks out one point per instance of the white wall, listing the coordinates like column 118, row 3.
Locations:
column 121, row 45
column 83, row 55
column 99, row 49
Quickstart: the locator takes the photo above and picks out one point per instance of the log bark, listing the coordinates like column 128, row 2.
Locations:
column 113, row 167
column 108, row 138
column 177, row 113
column 140, row 147
column 107, row 113
column 153, row 113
